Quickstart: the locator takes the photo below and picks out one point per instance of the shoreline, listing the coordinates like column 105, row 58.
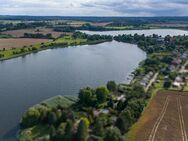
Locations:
column 52, row 47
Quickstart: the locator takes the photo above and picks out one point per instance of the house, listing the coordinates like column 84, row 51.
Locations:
column 145, row 80
column 160, row 40
column 104, row 111
column 178, row 82
column 121, row 98
column 179, row 79
column 176, row 61
column 172, row 67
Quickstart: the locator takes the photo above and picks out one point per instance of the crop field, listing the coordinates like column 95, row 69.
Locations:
column 165, row 119
column 19, row 42
column 20, row 33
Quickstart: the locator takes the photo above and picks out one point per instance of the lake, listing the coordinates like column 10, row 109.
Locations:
column 28, row 80
column 162, row 32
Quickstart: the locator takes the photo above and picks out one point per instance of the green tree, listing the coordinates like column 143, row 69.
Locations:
column 172, row 75
column 124, row 121
column 30, row 118
column 98, row 128
column 60, row 132
column 111, row 85
column 68, row 131
column 167, row 84
column 102, row 94
column 82, row 132
column 52, row 133
column 52, row 118
column 113, row 134
column 86, row 96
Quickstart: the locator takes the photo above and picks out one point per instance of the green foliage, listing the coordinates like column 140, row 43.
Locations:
column 86, row 96
column 113, row 134
column 167, row 84
column 136, row 106
column 26, row 135
column 30, row 118
column 111, row 86
column 52, row 132
column 98, row 128
column 124, row 121
column 37, row 36
column 52, row 118
column 102, row 94
column 1, row 55
column 62, row 121
column 60, row 133
column 68, row 131
column 172, row 75
column 82, row 132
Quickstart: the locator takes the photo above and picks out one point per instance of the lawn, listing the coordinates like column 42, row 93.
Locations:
column 63, row 101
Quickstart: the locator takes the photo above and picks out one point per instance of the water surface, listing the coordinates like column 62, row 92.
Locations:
column 25, row 81
column 162, row 32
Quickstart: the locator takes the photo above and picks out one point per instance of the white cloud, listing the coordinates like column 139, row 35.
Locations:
column 95, row 7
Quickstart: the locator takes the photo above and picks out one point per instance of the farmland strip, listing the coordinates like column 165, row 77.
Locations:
column 157, row 123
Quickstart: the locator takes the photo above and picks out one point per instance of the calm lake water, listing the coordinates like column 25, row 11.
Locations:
column 25, row 81
column 162, row 32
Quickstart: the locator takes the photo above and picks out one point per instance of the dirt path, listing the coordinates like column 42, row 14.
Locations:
column 181, row 119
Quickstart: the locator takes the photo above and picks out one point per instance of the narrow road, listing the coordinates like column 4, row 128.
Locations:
column 183, row 70
column 151, row 81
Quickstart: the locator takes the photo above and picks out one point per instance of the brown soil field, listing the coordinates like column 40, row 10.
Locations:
column 165, row 119
column 20, row 33
column 20, row 42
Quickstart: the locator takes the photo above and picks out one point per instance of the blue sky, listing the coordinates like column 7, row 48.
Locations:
column 94, row 7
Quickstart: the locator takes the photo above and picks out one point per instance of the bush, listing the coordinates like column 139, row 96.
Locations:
column 1, row 55
column 33, row 48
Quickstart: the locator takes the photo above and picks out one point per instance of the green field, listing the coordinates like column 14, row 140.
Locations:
column 61, row 42
column 119, row 27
